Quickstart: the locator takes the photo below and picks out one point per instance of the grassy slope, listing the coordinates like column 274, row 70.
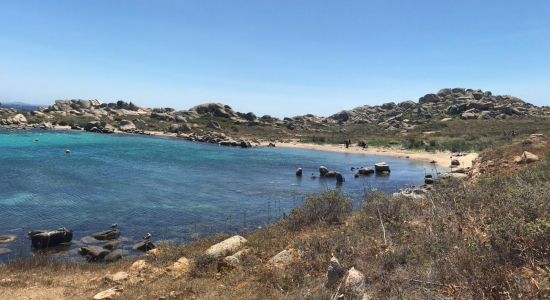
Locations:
column 488, row 239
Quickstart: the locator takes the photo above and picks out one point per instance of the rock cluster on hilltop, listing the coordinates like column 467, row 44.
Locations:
column 446, row 104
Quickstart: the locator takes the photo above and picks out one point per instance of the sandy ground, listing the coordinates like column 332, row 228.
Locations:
column 442, row 159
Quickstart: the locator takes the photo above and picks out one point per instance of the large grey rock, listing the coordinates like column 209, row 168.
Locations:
column 226, row 247
column 429, row 98
column 19, row 119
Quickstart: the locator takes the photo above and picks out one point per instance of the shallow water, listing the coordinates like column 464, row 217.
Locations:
column 171, row 188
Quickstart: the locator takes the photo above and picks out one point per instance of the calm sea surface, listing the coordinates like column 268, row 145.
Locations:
column 171, row 188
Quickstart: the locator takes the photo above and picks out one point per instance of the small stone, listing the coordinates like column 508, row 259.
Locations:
column 109, row 294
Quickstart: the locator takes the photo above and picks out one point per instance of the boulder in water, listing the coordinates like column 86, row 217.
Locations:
column 365, row 171
column 144, row 246
column 323, row 170
column 107, row 235
column 382, row 167
column 299, row 172
column 46, row 239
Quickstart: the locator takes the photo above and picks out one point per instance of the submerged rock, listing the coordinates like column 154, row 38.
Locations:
column 4, row 239
column 93, row 253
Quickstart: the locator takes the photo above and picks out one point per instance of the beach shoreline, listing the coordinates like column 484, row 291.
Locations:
column 441, row 158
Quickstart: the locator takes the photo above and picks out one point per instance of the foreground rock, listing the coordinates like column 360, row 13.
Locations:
column 226, row 247
column 354, row 286
column 284, row 258
column 109, row 294
column 181, row 267
column 526, row 158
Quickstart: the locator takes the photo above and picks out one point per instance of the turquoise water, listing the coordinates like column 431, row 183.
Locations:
column 171, row 188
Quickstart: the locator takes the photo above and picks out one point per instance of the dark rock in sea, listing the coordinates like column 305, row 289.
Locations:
column 339, row 178
column 45, row 239
column 299, row 172
column 144, row 246
column 365, row 171
column 323, row 170
column 382, row 168
column 90, row 240
column 107, row 235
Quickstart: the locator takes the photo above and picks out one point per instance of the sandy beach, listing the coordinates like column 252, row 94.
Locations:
column 442, row 159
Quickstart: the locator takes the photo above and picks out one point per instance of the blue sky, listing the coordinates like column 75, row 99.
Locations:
column 279, row 57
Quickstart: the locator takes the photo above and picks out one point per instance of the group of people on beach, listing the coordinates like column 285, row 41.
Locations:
column 347, row 143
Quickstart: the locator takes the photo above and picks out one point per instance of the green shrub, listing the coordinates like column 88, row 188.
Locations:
column 330, row 207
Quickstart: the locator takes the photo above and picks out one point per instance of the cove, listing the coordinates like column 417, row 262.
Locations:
column 173, row 189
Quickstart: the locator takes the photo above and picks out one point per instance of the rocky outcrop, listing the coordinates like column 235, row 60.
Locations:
column 213, row 110
column 467, row 104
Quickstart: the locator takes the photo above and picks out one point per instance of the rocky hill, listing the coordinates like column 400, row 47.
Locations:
column 204, row 120
column 445, row 105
